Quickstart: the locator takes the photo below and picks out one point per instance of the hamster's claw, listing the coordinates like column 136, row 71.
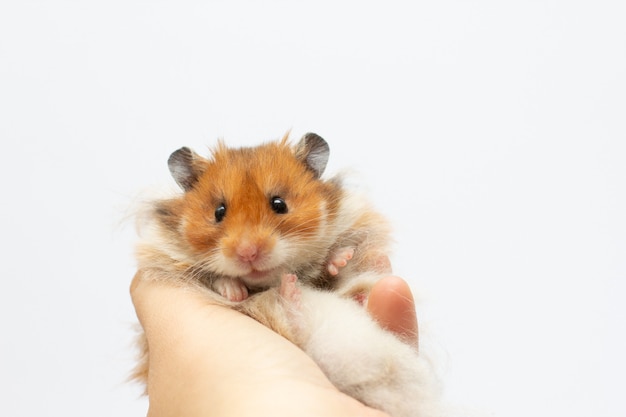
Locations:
column 338, row 259
column 231, row 288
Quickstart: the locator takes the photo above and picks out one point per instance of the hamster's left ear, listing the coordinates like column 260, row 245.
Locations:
column 186, row 167
column 314, row 152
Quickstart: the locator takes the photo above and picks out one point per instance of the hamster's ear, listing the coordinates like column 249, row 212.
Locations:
column 314, row 151
column 186, row 167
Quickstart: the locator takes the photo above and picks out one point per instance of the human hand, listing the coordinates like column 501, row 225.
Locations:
column 207, row 359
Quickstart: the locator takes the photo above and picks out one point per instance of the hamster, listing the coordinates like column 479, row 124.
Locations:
column 271, row 238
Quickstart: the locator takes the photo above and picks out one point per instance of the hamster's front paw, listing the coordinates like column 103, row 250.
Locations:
column 338, row 259
column 231, row 288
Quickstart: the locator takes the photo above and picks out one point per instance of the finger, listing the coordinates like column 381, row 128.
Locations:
column 134, row 284
column 391, row 303
column 136, row 287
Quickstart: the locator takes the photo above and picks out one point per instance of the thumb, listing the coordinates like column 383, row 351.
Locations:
column 391, row 304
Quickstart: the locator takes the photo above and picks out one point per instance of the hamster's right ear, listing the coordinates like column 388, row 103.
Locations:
column 314, row 151
column 186, row 167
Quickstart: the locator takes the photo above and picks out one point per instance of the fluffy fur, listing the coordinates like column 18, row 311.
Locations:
column 272, row 239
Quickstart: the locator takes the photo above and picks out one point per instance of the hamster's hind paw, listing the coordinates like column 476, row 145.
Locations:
column 232, row 289
column 289, row 289
column 338, row 259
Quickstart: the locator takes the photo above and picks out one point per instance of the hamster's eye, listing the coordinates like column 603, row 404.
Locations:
column 278, row 205
column 220, row 212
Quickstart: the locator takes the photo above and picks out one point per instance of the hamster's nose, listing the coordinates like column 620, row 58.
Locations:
column 247, row 252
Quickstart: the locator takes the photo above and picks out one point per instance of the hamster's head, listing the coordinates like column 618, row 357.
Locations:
column 255, row 213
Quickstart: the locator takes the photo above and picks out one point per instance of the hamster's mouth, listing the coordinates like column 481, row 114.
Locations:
column 254, row 276
column 259, row 275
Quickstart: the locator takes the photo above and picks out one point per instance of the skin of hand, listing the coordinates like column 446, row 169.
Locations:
column 208, row 360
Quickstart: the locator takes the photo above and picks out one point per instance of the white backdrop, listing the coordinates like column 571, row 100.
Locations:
column 491, row 133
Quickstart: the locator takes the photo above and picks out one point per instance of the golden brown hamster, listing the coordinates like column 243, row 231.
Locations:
column 268, row 236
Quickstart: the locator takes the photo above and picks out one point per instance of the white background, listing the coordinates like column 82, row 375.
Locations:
column 491, row 133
